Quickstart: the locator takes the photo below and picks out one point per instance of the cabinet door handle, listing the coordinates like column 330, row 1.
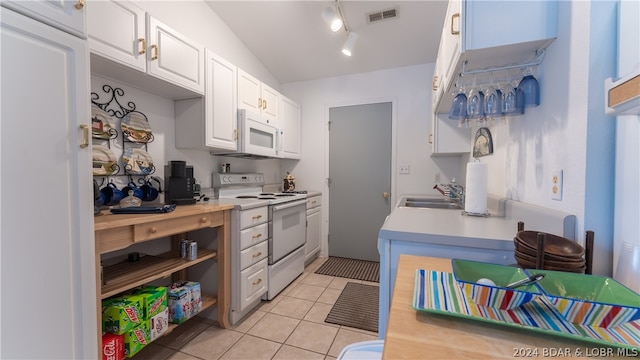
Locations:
column 85, row 136
column 235, row 134
column 264, row 104
column 259, row 103
column 144, row 46
column 434, row 83
column 259, row 253
column 257, row 282
column 154, row 48
column 256, row 236
column 455, row 32
column 430, row 138
column 79, row 4
column 256, row 217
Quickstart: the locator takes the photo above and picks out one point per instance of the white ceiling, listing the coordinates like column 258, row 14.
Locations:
column 294, row 43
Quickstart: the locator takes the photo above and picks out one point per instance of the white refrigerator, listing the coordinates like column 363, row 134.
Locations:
column 626, row 260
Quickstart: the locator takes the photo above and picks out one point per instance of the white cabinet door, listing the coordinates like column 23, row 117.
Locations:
column 270, row 104
column 173, row 57
column 452, row 35
column 116, row 30
column 221, row 103
column 289, row 124
column 447, row 138
column 312, row 246
column 249, row 90
column 258, row 97
column 66, row 15
column 48, row 246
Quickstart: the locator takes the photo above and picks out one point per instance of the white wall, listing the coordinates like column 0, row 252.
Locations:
column 409, row 89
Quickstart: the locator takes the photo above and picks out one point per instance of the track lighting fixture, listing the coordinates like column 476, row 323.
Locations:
column 332, row 18
column 347, row 48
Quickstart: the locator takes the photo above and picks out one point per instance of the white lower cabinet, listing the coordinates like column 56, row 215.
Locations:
column 314, row 228
column 253, row 283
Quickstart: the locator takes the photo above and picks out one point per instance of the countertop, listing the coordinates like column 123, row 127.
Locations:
column 414, row 334
column 451, row 227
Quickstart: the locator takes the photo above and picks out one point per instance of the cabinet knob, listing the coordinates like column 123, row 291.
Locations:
column 203, row 220
column 153, row 230
column 79, row 4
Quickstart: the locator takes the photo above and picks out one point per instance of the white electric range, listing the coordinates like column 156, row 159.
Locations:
column 275, row 222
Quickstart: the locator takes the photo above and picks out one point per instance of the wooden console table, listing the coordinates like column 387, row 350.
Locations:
column 115, row 232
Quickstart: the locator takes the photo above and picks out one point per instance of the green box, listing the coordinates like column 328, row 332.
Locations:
column 154, row 300
column 122, row 314
column 136, row 339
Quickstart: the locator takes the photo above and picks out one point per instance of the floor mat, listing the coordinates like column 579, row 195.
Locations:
column 351, row 268
column 356, row 307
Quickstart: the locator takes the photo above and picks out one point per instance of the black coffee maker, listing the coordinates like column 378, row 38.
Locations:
column 178, row 183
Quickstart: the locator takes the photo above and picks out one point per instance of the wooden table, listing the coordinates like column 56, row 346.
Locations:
column 115, row 232
column 414, row 335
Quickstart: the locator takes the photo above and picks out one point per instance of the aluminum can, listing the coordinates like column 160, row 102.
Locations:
column 193, row 251
column 184, row 248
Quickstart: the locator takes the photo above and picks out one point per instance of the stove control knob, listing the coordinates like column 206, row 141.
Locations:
column 229, row 179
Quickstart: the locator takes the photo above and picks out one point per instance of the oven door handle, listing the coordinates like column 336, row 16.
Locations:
column 289, row 204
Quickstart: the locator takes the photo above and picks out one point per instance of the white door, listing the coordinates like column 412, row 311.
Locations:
column 360, row 178
column 116, row 31
column 49, row 297
column 173, row 57
column 221, row 108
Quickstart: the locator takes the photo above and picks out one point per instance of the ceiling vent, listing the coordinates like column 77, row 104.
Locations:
column 383, row 15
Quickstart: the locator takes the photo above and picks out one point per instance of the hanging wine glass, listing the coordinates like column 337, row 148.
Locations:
column 530, row 89
column 458, row 110
column 475, row 102
column 492, row 101
column 512, row 102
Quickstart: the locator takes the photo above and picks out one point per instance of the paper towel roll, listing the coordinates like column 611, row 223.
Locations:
column 476, row 190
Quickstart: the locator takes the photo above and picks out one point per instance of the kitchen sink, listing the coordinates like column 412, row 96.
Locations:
column 430, row 203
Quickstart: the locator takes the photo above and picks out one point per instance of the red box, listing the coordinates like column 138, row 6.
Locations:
column 112, row 347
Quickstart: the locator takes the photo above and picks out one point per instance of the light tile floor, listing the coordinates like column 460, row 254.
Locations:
column 291, row 326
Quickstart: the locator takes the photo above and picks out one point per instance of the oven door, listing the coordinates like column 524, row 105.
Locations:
column 256, row 137
column 288, row 229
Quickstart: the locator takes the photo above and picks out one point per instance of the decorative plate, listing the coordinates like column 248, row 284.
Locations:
column 104, row 161
column 102, row 125
column 137, row 162
column 135, row 128
column 438, row 292
column 483, row 144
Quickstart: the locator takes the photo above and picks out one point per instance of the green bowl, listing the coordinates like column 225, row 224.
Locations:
column 589, row 299
column 468, row 272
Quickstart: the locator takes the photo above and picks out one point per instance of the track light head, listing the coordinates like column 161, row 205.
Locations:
column 332, row 18
column 347, row 48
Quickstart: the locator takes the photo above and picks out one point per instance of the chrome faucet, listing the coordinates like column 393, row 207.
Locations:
column 453, row 191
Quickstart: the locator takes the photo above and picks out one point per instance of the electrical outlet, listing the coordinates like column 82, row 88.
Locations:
column 556, row 185
column 404, row 168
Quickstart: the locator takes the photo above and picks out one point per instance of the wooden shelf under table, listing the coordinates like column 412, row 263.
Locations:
column 127, row 275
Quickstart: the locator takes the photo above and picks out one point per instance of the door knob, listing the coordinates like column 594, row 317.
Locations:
column 386, row 195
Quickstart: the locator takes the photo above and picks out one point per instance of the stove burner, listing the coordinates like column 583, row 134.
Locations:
column 285, row 194
column 246, row 197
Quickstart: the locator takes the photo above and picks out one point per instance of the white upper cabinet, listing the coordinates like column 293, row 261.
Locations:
column 258, row 97
column 66, row 15
column 116, row 31
column 122, row 38
column 483, row 34
column 289, row 125
column 210, row 123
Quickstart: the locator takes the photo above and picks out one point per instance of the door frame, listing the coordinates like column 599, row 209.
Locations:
column 324, row 244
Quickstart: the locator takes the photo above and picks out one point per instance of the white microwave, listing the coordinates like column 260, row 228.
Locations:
column 256, row 138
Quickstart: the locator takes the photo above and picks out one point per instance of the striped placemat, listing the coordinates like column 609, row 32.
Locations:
column 437, row 291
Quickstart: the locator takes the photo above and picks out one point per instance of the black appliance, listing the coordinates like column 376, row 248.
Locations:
column 178, row 183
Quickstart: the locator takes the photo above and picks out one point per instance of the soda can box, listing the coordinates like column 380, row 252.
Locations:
column 122, row 314
column 112, row 347
column 159, row 324
column 184, row 301
column 154, row 300
column 136, row 339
